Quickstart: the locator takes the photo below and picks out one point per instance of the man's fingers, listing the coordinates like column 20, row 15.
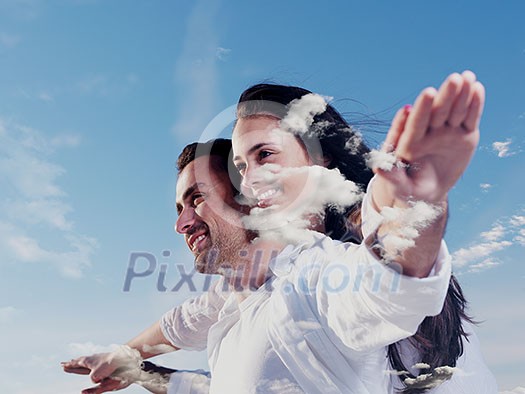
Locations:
column 104, row 386
column 460, row 108
column 79, row 365
column 78, row 370
column 473, row 117
column 398, row 125
column 445, row 99
column 101, row 372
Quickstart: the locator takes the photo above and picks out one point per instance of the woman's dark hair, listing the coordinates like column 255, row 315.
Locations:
column 332, row 133
column 439, row 339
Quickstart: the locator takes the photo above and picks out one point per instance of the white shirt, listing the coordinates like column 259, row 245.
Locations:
column 313, row 334
column 331, row 340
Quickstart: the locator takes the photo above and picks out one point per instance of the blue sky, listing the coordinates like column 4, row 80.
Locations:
column 98, row 97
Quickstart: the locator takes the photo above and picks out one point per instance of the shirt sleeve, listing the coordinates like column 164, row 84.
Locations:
column 186, row 326
column 370, row 218
column 365, row 303
column 189, row 382
column 369, row 305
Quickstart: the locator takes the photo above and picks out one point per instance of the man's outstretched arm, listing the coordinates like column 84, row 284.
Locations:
column 104, row 368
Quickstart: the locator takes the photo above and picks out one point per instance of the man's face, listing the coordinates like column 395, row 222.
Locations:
column 209, row 217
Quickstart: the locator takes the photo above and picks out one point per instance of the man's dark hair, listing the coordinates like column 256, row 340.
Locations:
column 220, row 148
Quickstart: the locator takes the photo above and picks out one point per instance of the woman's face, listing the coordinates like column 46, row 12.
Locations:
column 258, row 141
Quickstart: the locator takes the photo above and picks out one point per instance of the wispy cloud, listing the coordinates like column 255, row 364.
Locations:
column 96, row 83
column 78, row 349
column 502, row 148
column 516, row 390
column 9, row 41
column 467, row 256
column 21, row 9
column 196, row 72
column 480, row 256
column 102, row 84
column 494, row 234
column 485, row 187
column 33, row 206
column 7, row 313
column 520, row 238
column 517, row 221
column 484, row 265
column 222, row 53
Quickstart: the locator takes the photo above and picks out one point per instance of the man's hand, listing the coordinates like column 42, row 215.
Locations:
column 100, row 367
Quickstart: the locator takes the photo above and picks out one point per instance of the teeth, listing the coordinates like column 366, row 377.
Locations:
column 197, row 240
column 267, row 194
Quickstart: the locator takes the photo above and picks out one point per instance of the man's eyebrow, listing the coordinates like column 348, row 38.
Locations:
column 189, row 191
column 253, row 149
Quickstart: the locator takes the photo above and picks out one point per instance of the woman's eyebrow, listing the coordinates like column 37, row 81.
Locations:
column 253, row 149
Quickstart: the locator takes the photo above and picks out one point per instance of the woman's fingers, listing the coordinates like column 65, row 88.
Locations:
column 471, row 121
column 416, row 125
column 445, row 99
column 397, row 127
column 461, row 106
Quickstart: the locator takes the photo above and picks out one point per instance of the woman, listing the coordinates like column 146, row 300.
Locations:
column 260, row 139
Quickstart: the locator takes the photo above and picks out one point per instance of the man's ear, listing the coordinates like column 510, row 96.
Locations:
column 322, row 160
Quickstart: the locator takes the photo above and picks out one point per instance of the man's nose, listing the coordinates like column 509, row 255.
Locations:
column 185, row 221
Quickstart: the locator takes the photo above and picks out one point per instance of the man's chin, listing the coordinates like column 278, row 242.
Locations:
column 205, row 261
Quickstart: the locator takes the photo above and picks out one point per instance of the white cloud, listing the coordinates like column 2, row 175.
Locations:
column 473, row 253
column 21, row 9
column 520, row 238
column 505, row 233
column 496, row 233
column 8, row 40
column 17, row 246
column 322, row 187
column 31, row 201
column 516, row 390
column 222, row 53
column 7, row 313
column 502, row 148
column 484, row 265
column 65, row 140
column 77, row 349
column 44, row 96
column 96, row 83
column 381, row 159
column 104, row 85
column 354, row 143
column 517, row 220
column 404, row 226
column 51, row 212
column 301, row 112
column 485, row 187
